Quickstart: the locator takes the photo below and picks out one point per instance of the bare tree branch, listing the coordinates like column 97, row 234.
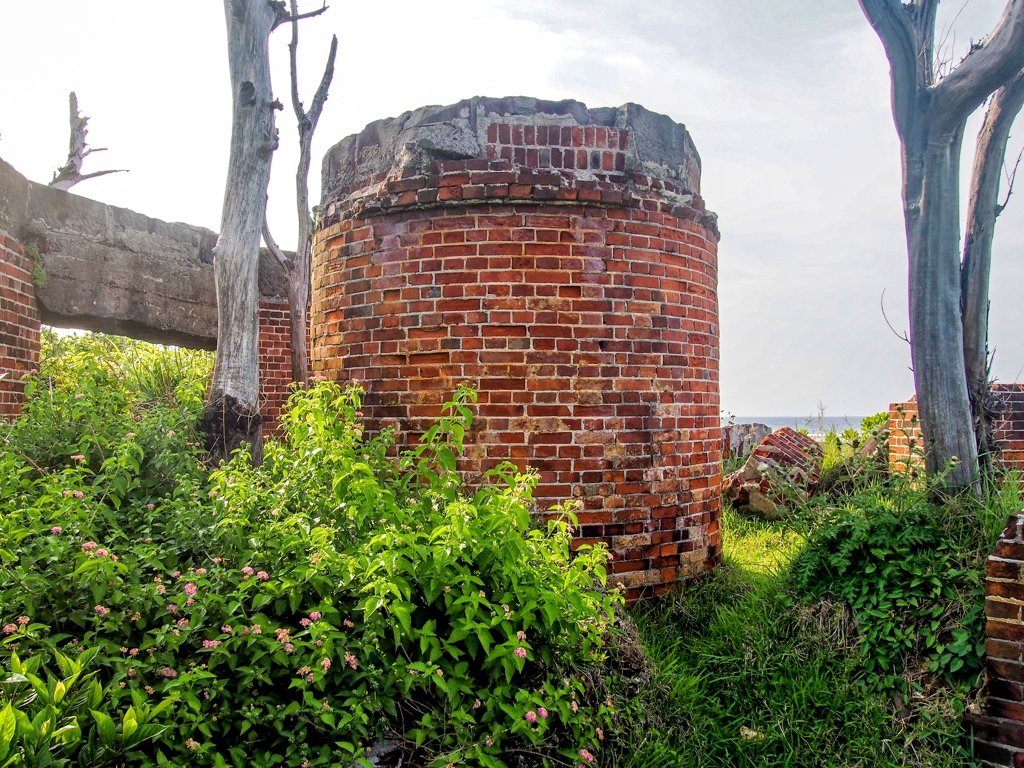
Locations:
column 1010, row 179
column 272, row 244
column 989, row 64
column 902, row 336
column 71, row 172
column 898, row 35
column 283, row 17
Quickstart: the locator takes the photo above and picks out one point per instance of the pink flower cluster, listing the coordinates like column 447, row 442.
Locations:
column 520, row 652
column 56, row 529
column 315, row 616
column 10, row 629
column 101, row 611
column 247, row 572
column 351, row 660
column 263, row 576
column 211, row 643
column 191, row 589
column 326, row 664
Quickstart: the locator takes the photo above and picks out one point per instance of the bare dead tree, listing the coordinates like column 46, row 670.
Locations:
column 298, row 269
column 982, row 211
column 929, row 114
column 231, row 416
column 71, row 172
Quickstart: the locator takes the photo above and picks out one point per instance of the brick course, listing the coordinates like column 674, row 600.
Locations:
column 997, row 733
column 19, row 331
column 582, row 305
column 275, row 362
column 1008, row 434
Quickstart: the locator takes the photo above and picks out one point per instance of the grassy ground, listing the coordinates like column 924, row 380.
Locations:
column 748, row 676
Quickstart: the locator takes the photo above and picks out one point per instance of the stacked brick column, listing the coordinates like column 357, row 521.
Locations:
column 906, row 445
column 275, row 362
column 19, row 331
column 997, row 734
column 577, row 295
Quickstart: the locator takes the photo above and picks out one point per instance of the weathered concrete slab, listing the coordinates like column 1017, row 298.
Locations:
column 657, row 145
column 114, row 270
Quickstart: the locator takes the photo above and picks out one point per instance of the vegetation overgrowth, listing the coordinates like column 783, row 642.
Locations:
column 342, row 602
column 333, row 601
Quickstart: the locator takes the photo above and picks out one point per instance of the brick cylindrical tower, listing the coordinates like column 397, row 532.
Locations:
column 562, row 260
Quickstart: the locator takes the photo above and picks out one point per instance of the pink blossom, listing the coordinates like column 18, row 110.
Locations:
column 542, row 713
column 326, row 664
column 101, row 552
column 23, row 620
column 586, row 756
column 520, row 652
column 161, row 589
column 176, row 575
column 305, row 622
column 131, row 673
column 289, row 647
column 78, row 457
column 211, row 643
column 168, row 672
column 489, row 741
column 190, row 589
column 351, row 660
column 226, row 629
column 151, row 506
column 172, row 607
column 189, row 602
column 263, row 575
column 10, row 629
column 257, row 629
column 133, row 652
column 348, row 623
column 78, row 494
column 200, row 571
column 100, row 610
column 130, row 435
column 476, row 704
column 68, row 493
column 315, row 616
column 247, row 571
column 531, row 716
column 89, row 546
column 182, row 623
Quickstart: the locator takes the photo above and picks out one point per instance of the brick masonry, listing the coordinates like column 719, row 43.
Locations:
column 582, row 305
column 19, row 333
column 997, row 733
column 905, row 444
column 275, row 362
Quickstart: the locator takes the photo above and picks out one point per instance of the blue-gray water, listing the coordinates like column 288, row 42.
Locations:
column 813, row 425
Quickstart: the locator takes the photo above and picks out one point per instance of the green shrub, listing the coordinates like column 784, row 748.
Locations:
column 915, row 588
column 296, row 614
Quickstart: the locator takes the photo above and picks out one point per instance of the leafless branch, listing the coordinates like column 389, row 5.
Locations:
column 897, row 334
column 273, row 246
column 1010, row 178
column 283, row 17
column 893, row 26
column 71, row 172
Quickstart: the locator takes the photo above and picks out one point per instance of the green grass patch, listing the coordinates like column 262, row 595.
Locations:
column 746, row 674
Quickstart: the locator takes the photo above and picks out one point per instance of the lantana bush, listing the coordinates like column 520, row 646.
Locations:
column 340, row 602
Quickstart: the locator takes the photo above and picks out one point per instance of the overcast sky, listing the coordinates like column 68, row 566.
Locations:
column 787, row 102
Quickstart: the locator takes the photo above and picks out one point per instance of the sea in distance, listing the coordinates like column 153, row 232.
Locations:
column 815, row 426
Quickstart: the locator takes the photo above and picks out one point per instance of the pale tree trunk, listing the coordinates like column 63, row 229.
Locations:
column 929, row 114
column 298, row 269
column 982, row 212
column 71, row 172
column 231, row 418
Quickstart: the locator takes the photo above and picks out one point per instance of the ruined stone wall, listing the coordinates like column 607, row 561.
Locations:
column 19, row 330
column 113, row 270
column 568, row 273
column 997, row 732
column 906, row 445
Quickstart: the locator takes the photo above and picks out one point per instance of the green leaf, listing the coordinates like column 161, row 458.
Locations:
column 107, row 730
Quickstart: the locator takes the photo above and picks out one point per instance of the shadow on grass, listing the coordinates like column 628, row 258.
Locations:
column 745, row 675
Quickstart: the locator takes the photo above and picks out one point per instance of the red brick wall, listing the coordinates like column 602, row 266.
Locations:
column 905, row 431
column 19, row 331
column 998, row 731
column 586, row 313
column 275, row 362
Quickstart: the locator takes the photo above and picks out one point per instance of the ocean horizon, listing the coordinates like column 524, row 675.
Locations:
column 813, row 424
